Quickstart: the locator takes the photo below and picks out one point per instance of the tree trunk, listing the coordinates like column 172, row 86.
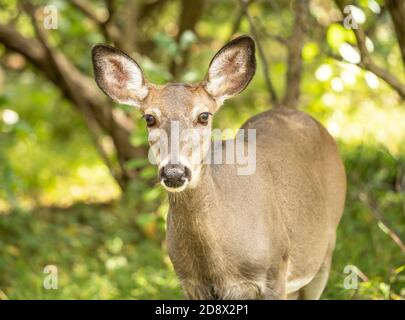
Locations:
column 396, row 9
column 98, row 112
column 191, row 12
column 294, row 46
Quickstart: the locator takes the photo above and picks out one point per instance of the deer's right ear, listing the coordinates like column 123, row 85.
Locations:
column 118, row 75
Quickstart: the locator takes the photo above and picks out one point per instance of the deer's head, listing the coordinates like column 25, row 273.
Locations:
column 178, row 116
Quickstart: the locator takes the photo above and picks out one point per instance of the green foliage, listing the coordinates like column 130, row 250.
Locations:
column 362, row 241
column 115, row 252
column 100, row 252
column 53, row 183
column 47, row 153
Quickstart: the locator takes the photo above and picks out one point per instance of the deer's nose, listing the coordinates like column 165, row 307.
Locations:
column 174, row 175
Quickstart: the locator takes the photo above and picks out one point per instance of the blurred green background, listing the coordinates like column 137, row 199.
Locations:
column 72, row 196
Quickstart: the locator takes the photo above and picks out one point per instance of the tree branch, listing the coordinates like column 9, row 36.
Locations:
column 29, row 48
column 88, row 11
column 295, row 43
column 367, row 61
column 190, row 14
column 396, row 9
column 111, row 10
column 109, row 30
column 87, row 111
column 262, row 55
column 236, row 23
column 272, row 36
column 393, row 234
column 78, row 88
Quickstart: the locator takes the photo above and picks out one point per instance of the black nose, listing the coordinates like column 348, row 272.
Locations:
column 174, row 175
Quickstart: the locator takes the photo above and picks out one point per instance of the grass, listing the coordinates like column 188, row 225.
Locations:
column 99, row 253
column 104, row 251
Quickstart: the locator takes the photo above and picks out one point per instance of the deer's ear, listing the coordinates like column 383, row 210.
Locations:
column 118, row 75
column 231, row 69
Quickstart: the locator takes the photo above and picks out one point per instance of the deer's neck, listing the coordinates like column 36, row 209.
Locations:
column 192, row 229
column 194, row 203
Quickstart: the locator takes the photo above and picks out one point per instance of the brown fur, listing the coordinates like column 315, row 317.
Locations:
column 268, row 235
column 238, row 235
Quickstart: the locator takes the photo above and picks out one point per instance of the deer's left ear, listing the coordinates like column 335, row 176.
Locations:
column 118, row 75
column 231, row 69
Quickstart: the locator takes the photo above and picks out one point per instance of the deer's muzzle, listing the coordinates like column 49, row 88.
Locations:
column 174, row 175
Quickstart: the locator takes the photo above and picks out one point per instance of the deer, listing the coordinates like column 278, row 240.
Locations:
column 265, row 235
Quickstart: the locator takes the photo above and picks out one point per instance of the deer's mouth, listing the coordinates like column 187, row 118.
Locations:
column 177, row 186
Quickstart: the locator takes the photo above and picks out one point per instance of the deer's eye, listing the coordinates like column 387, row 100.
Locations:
column 203, row 117
column 150, row 120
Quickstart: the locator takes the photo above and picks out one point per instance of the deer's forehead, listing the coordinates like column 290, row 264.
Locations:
column 178, row 99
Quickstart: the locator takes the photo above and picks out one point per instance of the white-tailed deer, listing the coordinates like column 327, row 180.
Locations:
column 267, row 235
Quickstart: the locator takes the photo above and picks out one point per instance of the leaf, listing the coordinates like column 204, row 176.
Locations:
column 136, row 163
column 310, row 51
column 144, row 219
column 336, row 35
column 148, row 173
column 167, row 44
column 187, row 39
column 152, row 195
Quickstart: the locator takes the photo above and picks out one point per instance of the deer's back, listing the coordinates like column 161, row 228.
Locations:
column 307, row 177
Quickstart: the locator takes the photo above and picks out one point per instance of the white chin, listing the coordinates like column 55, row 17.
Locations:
column 179, row 189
